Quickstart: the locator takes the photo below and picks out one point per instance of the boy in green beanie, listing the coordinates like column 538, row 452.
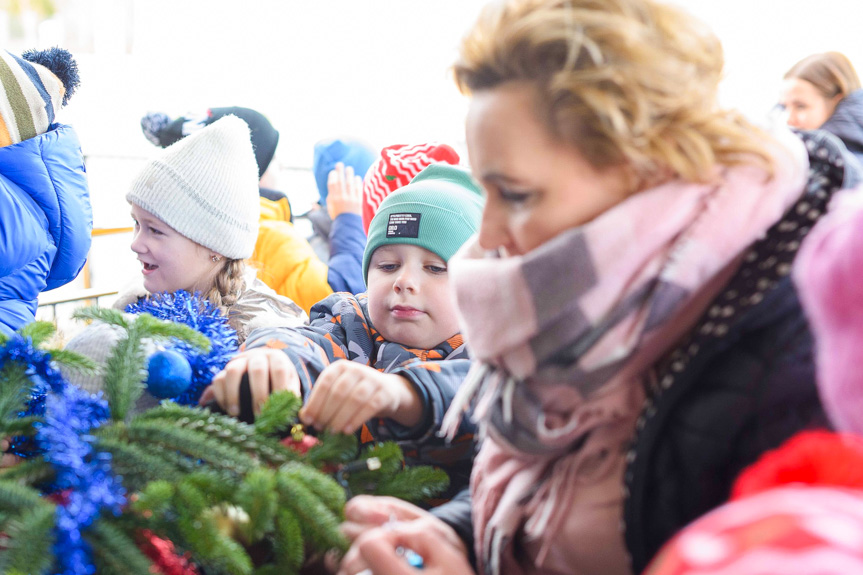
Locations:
column 395, row 384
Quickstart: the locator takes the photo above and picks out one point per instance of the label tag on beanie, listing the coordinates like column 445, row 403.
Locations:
column 403, row 226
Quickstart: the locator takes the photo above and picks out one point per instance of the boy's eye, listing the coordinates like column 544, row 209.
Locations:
column 156, row 232
column 388, row 267
column 436, row 269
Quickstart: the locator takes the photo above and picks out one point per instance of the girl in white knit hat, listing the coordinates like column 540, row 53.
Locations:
column 196, row 213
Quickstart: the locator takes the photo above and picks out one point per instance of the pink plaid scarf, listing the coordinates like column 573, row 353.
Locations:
column 564, row 333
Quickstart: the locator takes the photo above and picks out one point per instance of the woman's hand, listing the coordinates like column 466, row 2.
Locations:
column 270, row 370
column 381, row 549
column 344, row 191
column 347, row 394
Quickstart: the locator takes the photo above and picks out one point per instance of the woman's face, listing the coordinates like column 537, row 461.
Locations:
column 536, row 187
column 805, row 107
column 169, row 260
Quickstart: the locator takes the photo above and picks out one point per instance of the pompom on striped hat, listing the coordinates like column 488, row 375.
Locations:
column 35, row 85
column 395, row 168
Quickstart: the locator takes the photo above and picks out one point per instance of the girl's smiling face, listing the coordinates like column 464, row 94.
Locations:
column 171, row 261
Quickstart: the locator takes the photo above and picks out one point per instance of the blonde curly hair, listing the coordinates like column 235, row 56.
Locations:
column 627, row 82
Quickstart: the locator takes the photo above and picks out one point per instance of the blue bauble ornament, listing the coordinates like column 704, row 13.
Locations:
column 168, row 374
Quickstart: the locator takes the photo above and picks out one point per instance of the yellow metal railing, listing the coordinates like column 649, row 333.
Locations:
column 87, row 294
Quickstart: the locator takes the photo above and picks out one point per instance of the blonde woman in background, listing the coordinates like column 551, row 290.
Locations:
column 635, row 335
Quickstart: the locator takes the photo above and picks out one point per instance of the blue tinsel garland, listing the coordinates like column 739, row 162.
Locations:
column 197, row 313
column 44, row 375
column 83, row 475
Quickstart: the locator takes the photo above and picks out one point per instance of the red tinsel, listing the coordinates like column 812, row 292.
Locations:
column 165, row 560
column 811, row 458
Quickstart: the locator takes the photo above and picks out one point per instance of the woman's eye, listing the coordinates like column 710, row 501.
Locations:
column 513, row 197
column 156, row 232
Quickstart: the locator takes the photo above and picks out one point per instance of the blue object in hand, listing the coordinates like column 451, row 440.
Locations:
column 168, row 374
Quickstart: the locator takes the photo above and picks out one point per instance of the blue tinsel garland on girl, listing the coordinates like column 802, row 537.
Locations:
column 201, row 315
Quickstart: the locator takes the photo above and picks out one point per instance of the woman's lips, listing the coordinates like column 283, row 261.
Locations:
column 147, row 269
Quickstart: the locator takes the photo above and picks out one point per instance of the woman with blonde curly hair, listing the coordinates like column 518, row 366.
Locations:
column 636, row 339
column 196, row 209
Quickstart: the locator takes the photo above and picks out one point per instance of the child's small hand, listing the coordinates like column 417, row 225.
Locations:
column 344, row 191
column 348, row 394
column 269, row 370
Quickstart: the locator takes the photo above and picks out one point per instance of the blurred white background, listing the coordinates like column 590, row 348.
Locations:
column 375, row 69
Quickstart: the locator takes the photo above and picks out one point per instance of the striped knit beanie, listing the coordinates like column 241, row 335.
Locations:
column 439, row 210
column 35, row 86
column 206, row 188
column 395, row 168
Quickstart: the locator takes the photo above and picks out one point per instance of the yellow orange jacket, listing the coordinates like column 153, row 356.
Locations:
column 284, row 258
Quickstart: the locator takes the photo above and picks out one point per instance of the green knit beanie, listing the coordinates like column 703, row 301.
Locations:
column 438, row 210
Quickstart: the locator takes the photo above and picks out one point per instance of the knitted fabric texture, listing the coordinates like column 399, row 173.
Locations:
column 31, row 94
column 439, row 210
column 395, row 168
column 353, row 153
column 206, row 188
column 827, row 274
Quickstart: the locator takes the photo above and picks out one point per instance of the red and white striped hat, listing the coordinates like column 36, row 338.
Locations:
column 396, row 167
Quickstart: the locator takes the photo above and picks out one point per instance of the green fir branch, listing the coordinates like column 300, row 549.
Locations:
column 257, row 496
column 114, row 552
column 30, row 538
column 21, row 426
column 192, row 443
column 288, row 544
column 14, row 391
column 31, row 471
column 15, row 498
column 136, row 466
column 320, row 484
column 415, row 484
column 278, row 412
column 215, row 551
column 334, row 448
column 152, row 327
column 124, row 374
column 103, row 314
column 318, row 523
column 74, row 360
column 225, row 428
column 38, row 331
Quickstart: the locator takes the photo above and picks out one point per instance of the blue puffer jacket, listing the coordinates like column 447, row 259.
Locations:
column 45, row 221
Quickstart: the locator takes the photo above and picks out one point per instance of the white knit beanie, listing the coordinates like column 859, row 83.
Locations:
column 206, row 188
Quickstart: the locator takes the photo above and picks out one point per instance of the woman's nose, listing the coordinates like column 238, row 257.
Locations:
column 492, row 228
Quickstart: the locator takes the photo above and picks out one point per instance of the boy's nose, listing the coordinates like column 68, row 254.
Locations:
column 405, row 281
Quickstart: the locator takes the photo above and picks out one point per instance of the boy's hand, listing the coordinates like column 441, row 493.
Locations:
column 344, row 191
column 269, row 370
column 348, row 394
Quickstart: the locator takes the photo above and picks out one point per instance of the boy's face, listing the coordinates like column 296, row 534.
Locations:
column 409, row 297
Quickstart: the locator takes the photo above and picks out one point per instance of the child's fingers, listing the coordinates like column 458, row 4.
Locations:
column 331, row 390
column 225, row 387
column 361, row 402
column 259, row 380
column 283, row 374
